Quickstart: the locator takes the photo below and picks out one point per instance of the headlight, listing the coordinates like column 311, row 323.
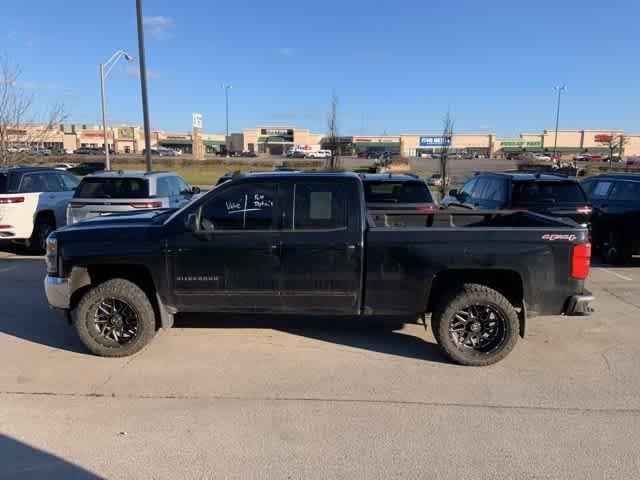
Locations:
column 51, row 255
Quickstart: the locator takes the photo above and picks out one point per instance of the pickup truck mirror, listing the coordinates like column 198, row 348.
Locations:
column 453, row 193
column 191, row 222
column 195, row 190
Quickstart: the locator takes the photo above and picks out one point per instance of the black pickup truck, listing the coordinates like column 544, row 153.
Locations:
column 304, row 243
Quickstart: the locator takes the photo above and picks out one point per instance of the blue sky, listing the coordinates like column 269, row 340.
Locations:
column 395, row 66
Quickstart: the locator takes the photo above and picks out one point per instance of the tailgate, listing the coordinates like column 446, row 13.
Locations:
column 16, row 214
column 80, row 209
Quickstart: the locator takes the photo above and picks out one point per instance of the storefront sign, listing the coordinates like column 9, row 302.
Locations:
column 435, row 141
column 518, row 142
column 96, row 134
column 277, row 131
column 178, row 137
column 603, row 138
column 124, row 133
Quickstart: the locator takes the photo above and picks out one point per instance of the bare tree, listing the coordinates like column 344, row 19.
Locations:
column 332, row 131
column 19, row 126
column 615, row 143
column 448, row 123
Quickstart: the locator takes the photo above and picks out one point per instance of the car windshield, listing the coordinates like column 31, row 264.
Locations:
column 113, row 188
column 547, row 192
column 397, row 192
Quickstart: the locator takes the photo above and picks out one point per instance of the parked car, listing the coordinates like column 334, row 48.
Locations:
column 240, row 248
column 297, row 154
column 594, row 157
column 549, row 194
column 32, row 203
column 633, row 161
column 248, row 154
column 615, row 198
column 88, row 151
column 384, row 192
column 319, row 154
column 436, row 180
column 541, row 157
column 41, row 151
column 64, row 166
column 117, row 192
column 86, row 168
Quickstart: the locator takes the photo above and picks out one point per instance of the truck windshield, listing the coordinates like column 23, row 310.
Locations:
column 397, row 192
column 113, row 188
column 550, row 192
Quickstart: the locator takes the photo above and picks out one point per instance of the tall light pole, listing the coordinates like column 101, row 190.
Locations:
column 105, row 69
column 143, row 86
column 226, row 87
column 559, row 89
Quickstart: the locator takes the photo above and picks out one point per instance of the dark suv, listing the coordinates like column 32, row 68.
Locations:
column 615, row 198
column 549, row 194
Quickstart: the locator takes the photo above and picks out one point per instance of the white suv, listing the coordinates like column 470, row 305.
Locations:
column 118, row 191
column 32, row 203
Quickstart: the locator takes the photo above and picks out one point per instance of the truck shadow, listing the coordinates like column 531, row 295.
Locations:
column 374, row 336
column 20, row 460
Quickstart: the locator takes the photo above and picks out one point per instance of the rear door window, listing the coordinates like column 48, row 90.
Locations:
column 113, row 188
column 547, row 192
column 53, row 182
column 601, row 189
column 625, row 192
column 397, row 192
column 249, row 206
column 319, row 206
column 163, row 187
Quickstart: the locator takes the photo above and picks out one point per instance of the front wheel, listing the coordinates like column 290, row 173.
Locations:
column 115, row 319
column 475, row 325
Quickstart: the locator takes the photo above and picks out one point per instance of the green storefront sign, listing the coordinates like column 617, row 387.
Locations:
column 519, row 143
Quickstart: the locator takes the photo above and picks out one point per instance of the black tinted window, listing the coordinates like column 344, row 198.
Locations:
column 625, row 191
column 113, row 188
column 4, row 181
column 319, row 206
column 547, row 192
column 241, row 207
column 397, row 192
column 34, row 182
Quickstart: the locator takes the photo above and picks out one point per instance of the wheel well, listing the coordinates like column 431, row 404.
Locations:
column 506, row 282
column 46, row 214
column 137, row 274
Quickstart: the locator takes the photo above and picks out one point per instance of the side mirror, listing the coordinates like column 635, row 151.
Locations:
column 195, row 190
column 453, row 192
column 191, row 222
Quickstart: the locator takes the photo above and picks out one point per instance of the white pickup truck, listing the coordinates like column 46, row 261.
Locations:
column 33, row 203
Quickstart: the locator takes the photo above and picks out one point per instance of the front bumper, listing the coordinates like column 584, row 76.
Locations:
column 579, row 305
column 57, row 291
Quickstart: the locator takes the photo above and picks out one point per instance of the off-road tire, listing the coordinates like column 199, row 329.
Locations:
column 127, row 292
column 464, row 296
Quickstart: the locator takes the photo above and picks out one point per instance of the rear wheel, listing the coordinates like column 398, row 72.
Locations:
column 43, row 226
column 615, row 250
column 115, row 319
column 475, row 325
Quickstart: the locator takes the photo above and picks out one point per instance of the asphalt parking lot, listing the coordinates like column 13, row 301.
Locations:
column 247, row 398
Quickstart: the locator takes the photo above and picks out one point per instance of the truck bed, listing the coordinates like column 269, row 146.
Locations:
column 406, row 262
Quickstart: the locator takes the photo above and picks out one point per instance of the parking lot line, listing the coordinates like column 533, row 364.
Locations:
column 619, row 275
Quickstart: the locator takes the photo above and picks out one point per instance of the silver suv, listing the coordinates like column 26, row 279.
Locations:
column 113, row 192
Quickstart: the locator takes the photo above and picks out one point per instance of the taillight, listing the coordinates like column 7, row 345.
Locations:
column 429, row 208
column 4, row 227
column 586, row 210
column 6, row 200
column 580, row 260
column 146, row 204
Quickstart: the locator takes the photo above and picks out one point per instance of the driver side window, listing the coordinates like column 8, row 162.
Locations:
column 241, row 207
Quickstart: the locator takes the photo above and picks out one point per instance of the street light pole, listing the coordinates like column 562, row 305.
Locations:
column 559, row 89
column 105, row 69
column 143, row 86
column 226, row 87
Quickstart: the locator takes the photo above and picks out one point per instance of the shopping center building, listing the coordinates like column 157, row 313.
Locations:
column 278, row 139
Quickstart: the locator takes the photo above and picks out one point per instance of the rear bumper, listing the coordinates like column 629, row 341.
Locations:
column 579, row 305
